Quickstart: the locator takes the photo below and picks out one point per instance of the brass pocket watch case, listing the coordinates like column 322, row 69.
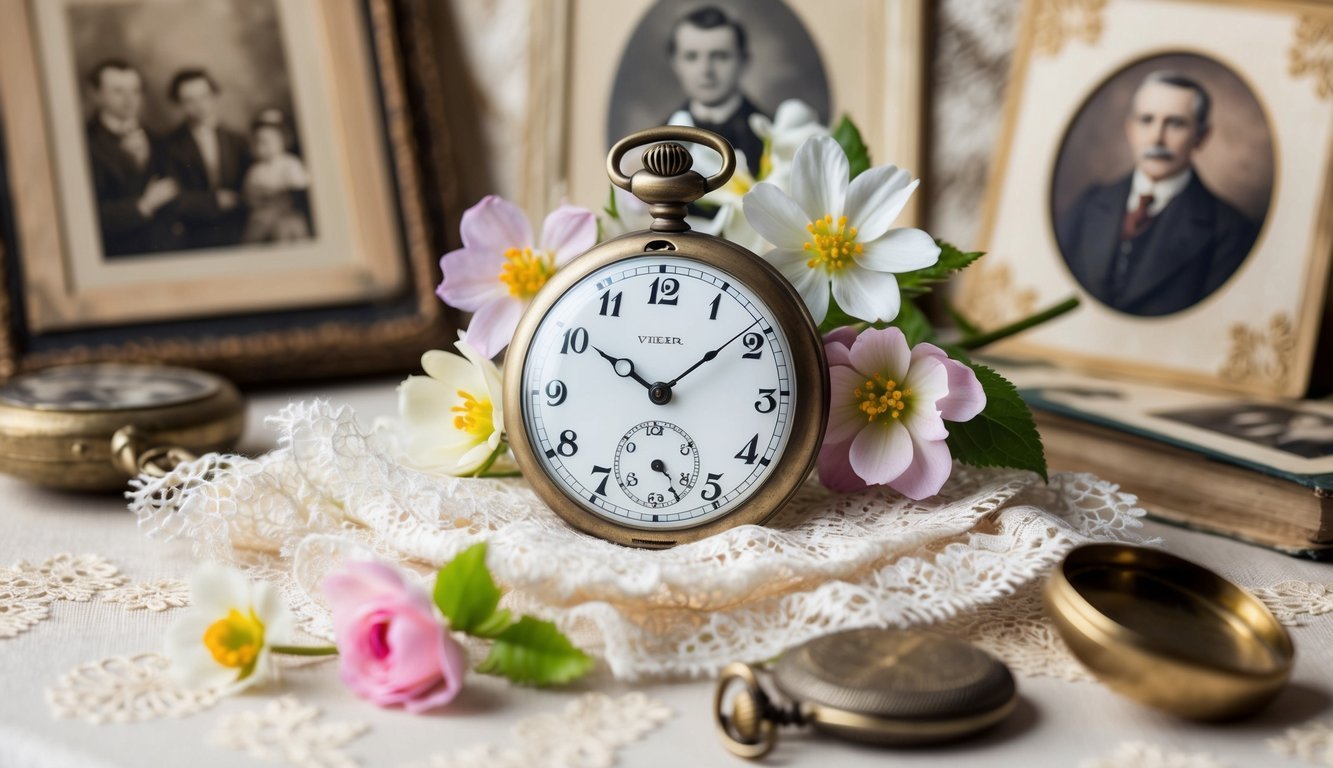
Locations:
column 877, row 686
column 91, row 427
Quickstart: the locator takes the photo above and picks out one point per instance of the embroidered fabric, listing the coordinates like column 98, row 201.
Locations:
column 1135, row 754
column 588, row 734
column 287, row 731
column 158, row 595
column 125, row 689
column 1311, row 742
column 1293, row 600
column 334, row 490
column 28, row 589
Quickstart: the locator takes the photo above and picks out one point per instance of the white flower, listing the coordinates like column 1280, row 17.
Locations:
column 827, row 232
column 223, row 641
column 453, row 417
column 793, row 123
column 729, row 220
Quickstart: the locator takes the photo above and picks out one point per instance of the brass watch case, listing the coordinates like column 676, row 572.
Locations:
column 86, row 449
column 809, row 412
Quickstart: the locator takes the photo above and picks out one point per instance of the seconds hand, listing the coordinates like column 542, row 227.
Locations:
column 711, row 355
column 660, row 466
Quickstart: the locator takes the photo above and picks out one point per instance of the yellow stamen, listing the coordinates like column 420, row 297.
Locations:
column 236, row 640
column 475, row 416
column 525, row 271
column 832, row 245
column 879, row 396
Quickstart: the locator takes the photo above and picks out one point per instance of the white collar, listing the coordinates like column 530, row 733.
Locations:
column 719, row 113
column 1162, row 191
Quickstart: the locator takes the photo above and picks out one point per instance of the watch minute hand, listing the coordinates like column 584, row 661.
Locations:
column 711, row 354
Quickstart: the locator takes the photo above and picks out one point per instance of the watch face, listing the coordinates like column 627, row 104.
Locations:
column 108, row 387
column 658, row 391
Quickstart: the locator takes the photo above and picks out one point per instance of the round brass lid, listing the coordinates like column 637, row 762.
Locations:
column 1167, row 632
column 90, row 427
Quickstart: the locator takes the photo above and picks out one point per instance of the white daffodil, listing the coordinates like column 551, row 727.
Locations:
column 829, row 233
column 793, row 123
column 453, row 417
column 223, row 641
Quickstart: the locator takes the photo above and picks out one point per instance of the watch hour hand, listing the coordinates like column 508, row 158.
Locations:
column 624, row 368
column 660, row 466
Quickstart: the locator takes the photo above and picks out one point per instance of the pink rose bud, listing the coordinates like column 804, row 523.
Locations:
column 392, row 646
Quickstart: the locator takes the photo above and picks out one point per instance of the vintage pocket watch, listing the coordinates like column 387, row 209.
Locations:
column 666, row 384
column 92, row 427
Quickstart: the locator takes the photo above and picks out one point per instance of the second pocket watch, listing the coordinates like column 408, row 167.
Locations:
column 666, row 384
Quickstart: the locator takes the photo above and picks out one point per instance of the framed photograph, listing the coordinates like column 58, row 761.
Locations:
column 1170, row 162
column 619, row 66
column 231, row 184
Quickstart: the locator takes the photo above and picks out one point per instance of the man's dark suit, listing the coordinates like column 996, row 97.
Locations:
column 1185, row 253
column 119, row 182
column 736, row 129
column 206, row 224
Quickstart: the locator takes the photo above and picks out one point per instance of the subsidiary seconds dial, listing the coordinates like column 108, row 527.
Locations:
column 658, row 391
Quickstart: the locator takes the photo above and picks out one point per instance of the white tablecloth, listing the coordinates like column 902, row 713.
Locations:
column 1058, row 724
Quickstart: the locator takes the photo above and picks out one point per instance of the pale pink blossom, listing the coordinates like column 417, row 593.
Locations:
column 500, row 268
column 393, row 647
column 888, row 405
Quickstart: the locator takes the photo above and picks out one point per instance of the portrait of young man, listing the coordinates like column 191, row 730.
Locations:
column 1157, row 240
column 709, row 54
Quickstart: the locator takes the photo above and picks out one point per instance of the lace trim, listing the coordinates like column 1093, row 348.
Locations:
column 286, row 731
column 1292, row 601
column 1018, row 632
column 1135, row 754
column 1311, row 742
column 334, row 491
column 156, row 595
column 122, row 689
column 588, row 733
column 28, row 589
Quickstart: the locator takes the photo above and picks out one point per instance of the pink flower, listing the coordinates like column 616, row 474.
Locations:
column 499, row 269
column 392, row 646
column 887, row 411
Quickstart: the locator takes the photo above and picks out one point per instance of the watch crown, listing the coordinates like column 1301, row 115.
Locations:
column 667, row 159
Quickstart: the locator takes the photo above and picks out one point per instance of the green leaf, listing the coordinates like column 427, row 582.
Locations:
column 967, row 327
column 534, row 652
column 465, row 591
column 611, row 208
column 951, row 260
column 848, row 137
column 1003, row 434
column 914, row 324
column 495, row 625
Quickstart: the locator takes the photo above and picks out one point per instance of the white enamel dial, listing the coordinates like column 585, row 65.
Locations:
column 658, row 392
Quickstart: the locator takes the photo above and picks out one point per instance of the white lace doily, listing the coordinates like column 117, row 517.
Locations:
column 334, row 490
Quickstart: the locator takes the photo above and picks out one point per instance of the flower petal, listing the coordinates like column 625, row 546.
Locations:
column 471, row 278
column 358, row 582
column 216, row 589
column 819, row 178
column 453, row 371
column 838, row 344
column 928, row 379
column 882, row 350
column 966, row 397
column 845, row 416
column 875, row 198
column 810, row 283
column 490, row 376
column 776, row 217
column 881, row 453
column 493, row 326
column 870, row 296
column 899, row 250
column 929, row 470
column 495, row 224
column 835, row 469
column 425, row 403
column 568, row 231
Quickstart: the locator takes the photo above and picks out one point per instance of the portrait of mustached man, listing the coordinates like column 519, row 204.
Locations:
column 1157, row 240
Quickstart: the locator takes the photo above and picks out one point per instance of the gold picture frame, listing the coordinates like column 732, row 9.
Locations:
column 355, row 295
column 1255, row 332
column 873, row 55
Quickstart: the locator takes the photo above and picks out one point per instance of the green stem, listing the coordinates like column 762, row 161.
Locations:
column 1031, row 321
column 305, row 650
column 495, row 454
column 507, row 473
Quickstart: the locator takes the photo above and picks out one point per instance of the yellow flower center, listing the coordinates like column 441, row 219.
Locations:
column 766, row 159
column 525, row 271
column 474, row 416
column 879, row 396
column 236, row 640
column 832, row 246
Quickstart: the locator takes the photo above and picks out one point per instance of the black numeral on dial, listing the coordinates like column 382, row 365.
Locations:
column 568, row 443
column 711, row 488
column 766, row 402
column 606, row 473
column 576, row 339
column 610, row 304
column 750, row 452
column 755, row 343
column 713, row 307
column 556, row 391
column 664, row 291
